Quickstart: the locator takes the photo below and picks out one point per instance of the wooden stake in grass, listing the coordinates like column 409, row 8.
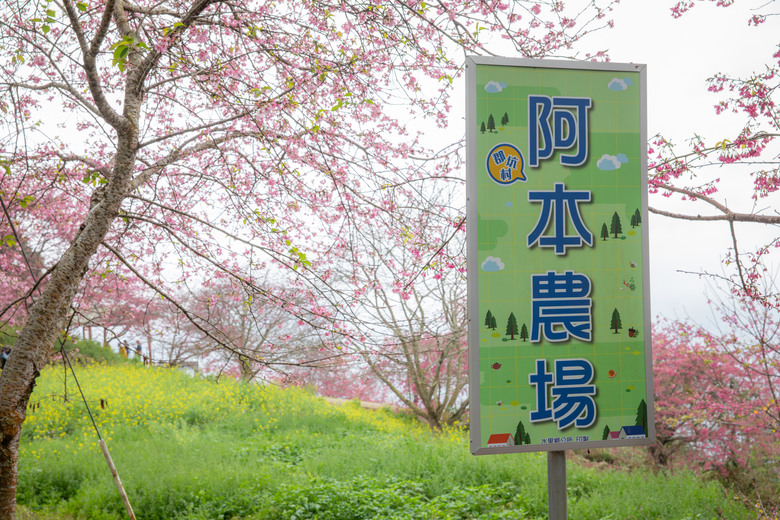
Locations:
column 118, row 482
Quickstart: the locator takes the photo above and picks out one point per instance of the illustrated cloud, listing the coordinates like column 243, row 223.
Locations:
column 509, row 205
column 492, row 263
column 620, row 84
column 611, row 162
column 495, row 86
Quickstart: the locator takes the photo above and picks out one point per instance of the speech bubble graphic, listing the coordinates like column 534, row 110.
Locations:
column 505, row 164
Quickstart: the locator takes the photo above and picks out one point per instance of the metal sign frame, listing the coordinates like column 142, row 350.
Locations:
column 589, row 139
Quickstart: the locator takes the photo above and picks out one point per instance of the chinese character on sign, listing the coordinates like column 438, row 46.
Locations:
column 554, row 206
column 561, row 307
column 499, row 157
column 572, row 393
column 569, row 128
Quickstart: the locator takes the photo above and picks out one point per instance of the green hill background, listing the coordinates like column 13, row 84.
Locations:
column 196, row 448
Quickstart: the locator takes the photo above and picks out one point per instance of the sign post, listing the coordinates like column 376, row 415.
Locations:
column 558, row 282
column 556, row 485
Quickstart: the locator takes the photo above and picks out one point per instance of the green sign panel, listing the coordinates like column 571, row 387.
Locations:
column 559, row 329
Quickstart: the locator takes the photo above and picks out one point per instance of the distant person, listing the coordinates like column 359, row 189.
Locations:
column 138, row 349
column 4, row 357
column 123, row 350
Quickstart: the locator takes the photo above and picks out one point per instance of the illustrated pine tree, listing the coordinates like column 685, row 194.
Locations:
column 524, row 332
column 511, row 326
column 605, row 435
column 641, row 415
column 505, row 119
column 634, row 223
column 527, row 438
column 520, row 433
column 491, row 126
column 638, row 216
column 616, row 227
column 488, row 319
column 493, row 324
column 482, row 127
column 616, row 324
column 604, row 231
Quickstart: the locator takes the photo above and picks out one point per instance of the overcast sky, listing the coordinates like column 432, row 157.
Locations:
column 680, row 55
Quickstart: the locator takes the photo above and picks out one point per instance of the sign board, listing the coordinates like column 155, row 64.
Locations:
column 558, row 284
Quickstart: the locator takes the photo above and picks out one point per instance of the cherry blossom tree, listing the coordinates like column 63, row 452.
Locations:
column 716, row 394
column 268, row 339
column 404, row 308
column 694, row 172
column 209, row 139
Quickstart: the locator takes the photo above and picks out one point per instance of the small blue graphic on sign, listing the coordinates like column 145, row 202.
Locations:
column 611, row 162
column 492, row 263
column 505, row 164
column 619, row 84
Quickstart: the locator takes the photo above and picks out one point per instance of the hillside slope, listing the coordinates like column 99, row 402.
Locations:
column 203, row 449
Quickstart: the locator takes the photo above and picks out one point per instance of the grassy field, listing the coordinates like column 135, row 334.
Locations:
column 192, row 448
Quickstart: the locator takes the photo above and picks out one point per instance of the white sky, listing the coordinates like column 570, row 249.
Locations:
column 680, row 55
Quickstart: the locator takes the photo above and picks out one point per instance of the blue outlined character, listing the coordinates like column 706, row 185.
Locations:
column 541, row 379
column 560, row 306
column 511, row 162
column 569, row 128
column 572, row 393
column 499, row 157
column 555, row 205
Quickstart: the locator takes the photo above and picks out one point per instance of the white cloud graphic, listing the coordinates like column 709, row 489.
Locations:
column 492, row 264
column 620, row 83
column 611, row 162
column 495, row 86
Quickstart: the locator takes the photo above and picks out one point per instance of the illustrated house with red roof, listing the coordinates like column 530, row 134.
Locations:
column 500, row 439
column 613, row 435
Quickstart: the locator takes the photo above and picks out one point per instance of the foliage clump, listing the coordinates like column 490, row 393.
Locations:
column 197, row 448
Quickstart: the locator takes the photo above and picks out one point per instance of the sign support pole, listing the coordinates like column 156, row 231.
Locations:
column 556, row 485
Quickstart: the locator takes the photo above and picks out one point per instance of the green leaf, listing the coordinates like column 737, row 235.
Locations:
column 81, row 6
column 9, row 240
column 26, row 201
column 121, row 52
column 45, row 28
column 50, row 13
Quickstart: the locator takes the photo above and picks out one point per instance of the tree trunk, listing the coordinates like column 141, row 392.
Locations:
column 48, row 316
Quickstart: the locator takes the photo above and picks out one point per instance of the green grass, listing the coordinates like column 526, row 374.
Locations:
column 199, row 449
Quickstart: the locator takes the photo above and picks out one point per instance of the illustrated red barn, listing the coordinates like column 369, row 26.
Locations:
column 500, row 439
